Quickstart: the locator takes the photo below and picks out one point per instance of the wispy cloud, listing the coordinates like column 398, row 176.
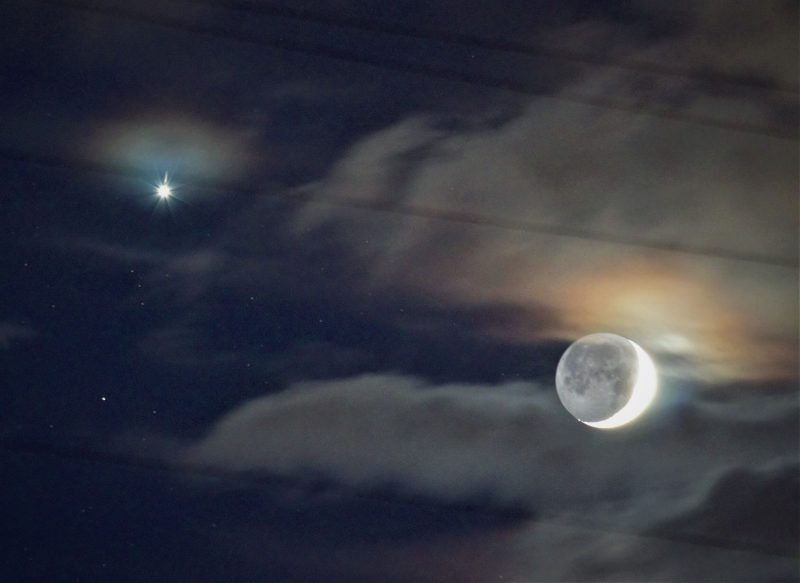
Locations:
column 584, row 169
column 11, row 334
column 513, row 443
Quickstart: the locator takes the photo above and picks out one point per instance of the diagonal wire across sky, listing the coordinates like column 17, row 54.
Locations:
column 299, row 196
column 439, row 214
column 783, row 132
column 704, row 75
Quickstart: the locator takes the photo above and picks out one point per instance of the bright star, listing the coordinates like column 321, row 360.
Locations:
column 164, row 190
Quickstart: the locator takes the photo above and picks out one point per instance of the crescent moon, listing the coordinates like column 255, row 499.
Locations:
column 644, row 391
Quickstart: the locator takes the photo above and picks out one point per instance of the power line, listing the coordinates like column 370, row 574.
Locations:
column 261, row 478
column 509, row 224
column 419, row 211
column 471, row 41
column 784, row 132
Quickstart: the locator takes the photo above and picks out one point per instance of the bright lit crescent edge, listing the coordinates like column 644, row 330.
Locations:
column 644, row 391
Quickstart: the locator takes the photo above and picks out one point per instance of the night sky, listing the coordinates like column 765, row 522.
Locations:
column 330, row 353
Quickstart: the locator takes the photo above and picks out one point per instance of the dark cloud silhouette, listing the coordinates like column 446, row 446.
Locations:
column 754, row 508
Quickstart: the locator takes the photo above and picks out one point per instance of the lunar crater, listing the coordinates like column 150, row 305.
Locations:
column 597, row 375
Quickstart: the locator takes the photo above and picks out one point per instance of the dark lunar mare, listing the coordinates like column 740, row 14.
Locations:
column 596, row 376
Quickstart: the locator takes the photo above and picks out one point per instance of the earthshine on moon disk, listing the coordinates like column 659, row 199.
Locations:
column 605, row 380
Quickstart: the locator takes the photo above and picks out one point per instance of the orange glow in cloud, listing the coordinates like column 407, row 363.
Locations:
column 682, row 316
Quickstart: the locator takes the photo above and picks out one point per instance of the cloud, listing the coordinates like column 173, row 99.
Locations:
column 754, row 45
column 113, row 253
column 553, row 552
column 751, row 41
column 510, row 444
column 551, row 163
column 372, row 431
column 582, row 168
column 756, row 507
column 628, row 176
column 11, row 333
column 600, row 506
column 742, row 528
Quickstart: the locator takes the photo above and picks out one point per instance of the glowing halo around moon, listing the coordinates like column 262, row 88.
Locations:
column 644, row 391
column 605, row 380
